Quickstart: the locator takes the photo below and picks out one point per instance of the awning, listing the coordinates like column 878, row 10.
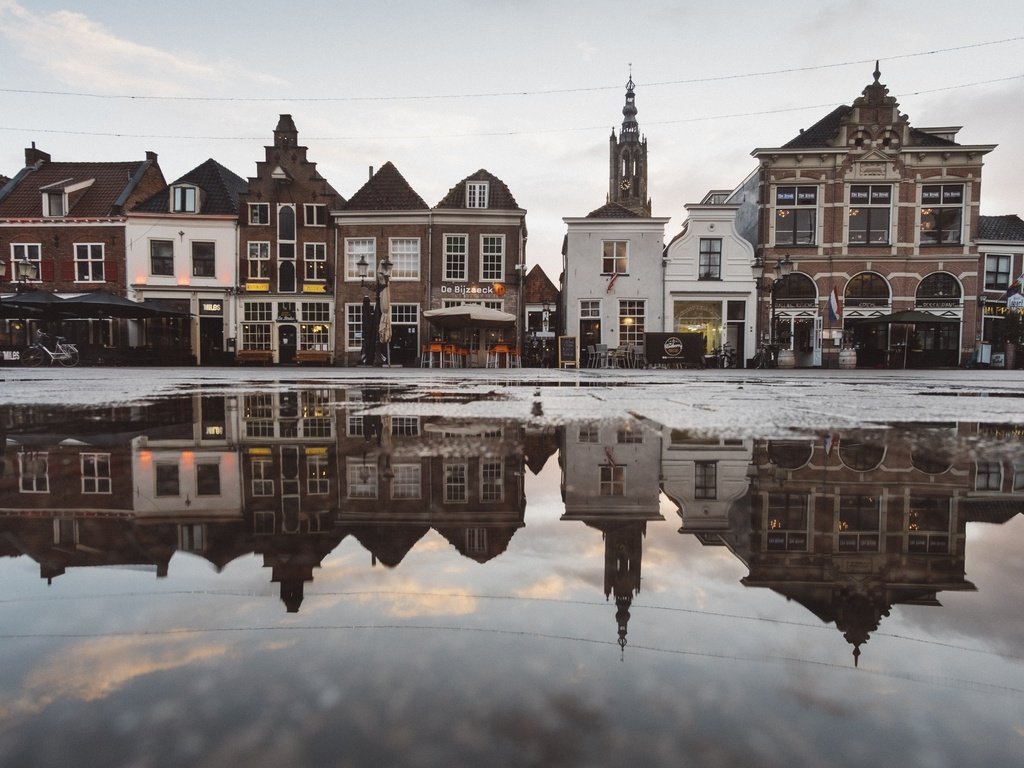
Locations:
column 906, row 317
column 469, row 316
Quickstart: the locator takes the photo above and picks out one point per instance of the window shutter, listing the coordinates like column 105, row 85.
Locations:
column 243, row 270
column 67, row 271
column 47, row 271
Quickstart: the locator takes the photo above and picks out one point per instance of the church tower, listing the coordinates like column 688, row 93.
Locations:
column 627, row 178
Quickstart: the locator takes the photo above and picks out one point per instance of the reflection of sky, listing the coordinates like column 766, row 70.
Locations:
column 446, row 660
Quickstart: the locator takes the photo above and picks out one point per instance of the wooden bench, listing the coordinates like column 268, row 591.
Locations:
column 264, row 356
column 313, row 357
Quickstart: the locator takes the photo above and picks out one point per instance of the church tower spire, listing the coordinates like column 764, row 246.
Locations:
column 627, row 178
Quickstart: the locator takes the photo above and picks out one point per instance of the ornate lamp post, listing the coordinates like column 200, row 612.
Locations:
column 780, row 270
column 371, row 319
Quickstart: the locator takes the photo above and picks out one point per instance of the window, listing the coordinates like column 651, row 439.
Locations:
column 167, row 483
column 65, row 531
column 354, row 326
column 405, row 258
column 314, row 336
column 476, row 541
column 88, row 262
column 405, row 426
column 355, row 249
column 316, row 215
column 631, row 321
column 456, row 257
column 476, row 194
column 866, row 289
column 589, row 433
column 54, row 202
column 286, row 228
column 859, row 518
column 259, row 213
column 796, row 215
column 262, row 477
column 627, row 435
column 35, row 477
column 787, row 522
column 455, row 487
column 190, row 537
column 256, row 317
column 492, row 257
column 997, row 271
column 709, row 264
column 942, row 208
column 928, row 525
column 161, row 257
column 612, row 480
column 590, row 308
column 204, row 261
column 988, row 476
column 95, row 472
column 184, row 199
column 259, row 260
column 315, row 262
column 30, row 252
column 870, row 213
column 207, row 479
column 318, row 475
column 492, row 481
column 406, row 482
column 362, row 480
column 705, row 480
column 615, row 257
column 939, row 289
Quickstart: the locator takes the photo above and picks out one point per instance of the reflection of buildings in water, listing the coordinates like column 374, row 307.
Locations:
column 851, row 525
column 610, row 474
column 703, row 476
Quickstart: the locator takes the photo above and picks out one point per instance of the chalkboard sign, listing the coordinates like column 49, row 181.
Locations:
column 568, row 352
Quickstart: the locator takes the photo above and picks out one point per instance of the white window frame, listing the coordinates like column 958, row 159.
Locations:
column 354, row 248
column 926, row 209
column 453, row 257
column 867, row 209
column 258, row 255
column 477, row 194
column 91, row 261
column 456, row 482
column 353, row 327
column 611, row 258
column 32, row 252
column 405, row 258
column 492, row 274
column 48, row 198
column 801, row 203
column 590, row 309
column 314, row 255
column 314, row 214
column 259, row 214
column 95, row 472
column 407, row 483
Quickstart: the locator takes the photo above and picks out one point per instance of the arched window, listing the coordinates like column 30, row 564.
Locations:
column 940, row 286
column 796, row 287
column 867, row 287
column 789, row 454
column 861, row 455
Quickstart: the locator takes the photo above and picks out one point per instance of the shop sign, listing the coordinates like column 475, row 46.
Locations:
column 211, row 307
column 474, row 290
column 257, row 287
column 314, row 288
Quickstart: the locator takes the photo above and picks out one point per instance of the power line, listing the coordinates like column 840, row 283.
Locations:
column 502, row 94
column 484, row 134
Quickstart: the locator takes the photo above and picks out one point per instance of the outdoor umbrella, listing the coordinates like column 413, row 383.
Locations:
column 469, row 316
column 45, row 302
column 384, row 308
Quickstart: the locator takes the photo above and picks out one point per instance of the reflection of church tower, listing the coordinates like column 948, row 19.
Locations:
column 627, row 177
column 623, row 549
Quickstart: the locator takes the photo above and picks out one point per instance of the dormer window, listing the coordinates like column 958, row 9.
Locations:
column 184, row 199
column 476, row 194
column 53, row 204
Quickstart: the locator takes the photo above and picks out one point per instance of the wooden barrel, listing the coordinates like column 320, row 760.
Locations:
column 848, row 358
column 786, row 359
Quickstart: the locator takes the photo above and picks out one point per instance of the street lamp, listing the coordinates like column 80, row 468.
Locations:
column 782, row 269
column 380, row 281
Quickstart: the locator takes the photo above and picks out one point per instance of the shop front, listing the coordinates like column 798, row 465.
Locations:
column 720, row 323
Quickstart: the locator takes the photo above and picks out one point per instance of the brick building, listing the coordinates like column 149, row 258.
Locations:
column 887, row 215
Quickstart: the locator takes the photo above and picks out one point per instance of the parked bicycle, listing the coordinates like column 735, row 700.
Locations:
column 765, row 357
column 63, row 351
column 722, row 357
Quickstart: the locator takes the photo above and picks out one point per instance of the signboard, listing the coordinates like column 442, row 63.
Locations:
column 568, row 352
column 211, row 307
column 678, row 350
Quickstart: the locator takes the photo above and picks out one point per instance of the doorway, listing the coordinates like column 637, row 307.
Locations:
column 590, row 334
column 287, row 342
column 211, row 341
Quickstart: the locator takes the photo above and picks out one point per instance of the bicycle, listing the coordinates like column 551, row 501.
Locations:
column 723, row 357
column 63, row 352
column 765, row 357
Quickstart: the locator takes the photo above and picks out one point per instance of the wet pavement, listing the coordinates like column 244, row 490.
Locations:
column 395, row 567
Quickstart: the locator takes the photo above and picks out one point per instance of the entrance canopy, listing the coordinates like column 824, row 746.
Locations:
column 469, row 316
column 907, row 317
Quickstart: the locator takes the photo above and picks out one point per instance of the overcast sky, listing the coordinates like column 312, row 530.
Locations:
column 528, row 89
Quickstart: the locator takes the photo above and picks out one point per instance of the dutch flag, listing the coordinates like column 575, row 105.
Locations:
column 835, row 311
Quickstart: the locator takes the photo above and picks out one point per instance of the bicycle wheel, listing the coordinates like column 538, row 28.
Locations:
column 71, row 359
column 33, row 356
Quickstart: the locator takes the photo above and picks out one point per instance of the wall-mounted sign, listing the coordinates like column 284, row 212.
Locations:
column 210, row 307
column 257, row 287
column 472, row 290
column 314, row 288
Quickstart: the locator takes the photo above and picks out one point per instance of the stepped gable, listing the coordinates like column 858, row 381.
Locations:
column 387, row 190
column 112, row 182
column 499, row 197
column 221, row 188
column 1000, row 228
column 874, row 107
column 613, row 211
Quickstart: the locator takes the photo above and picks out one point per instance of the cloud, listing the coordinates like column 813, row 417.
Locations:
column 83, row 53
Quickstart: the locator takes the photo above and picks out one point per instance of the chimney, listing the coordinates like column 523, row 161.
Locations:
column 151, row 156
column 33, row 156
column 371, row 171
